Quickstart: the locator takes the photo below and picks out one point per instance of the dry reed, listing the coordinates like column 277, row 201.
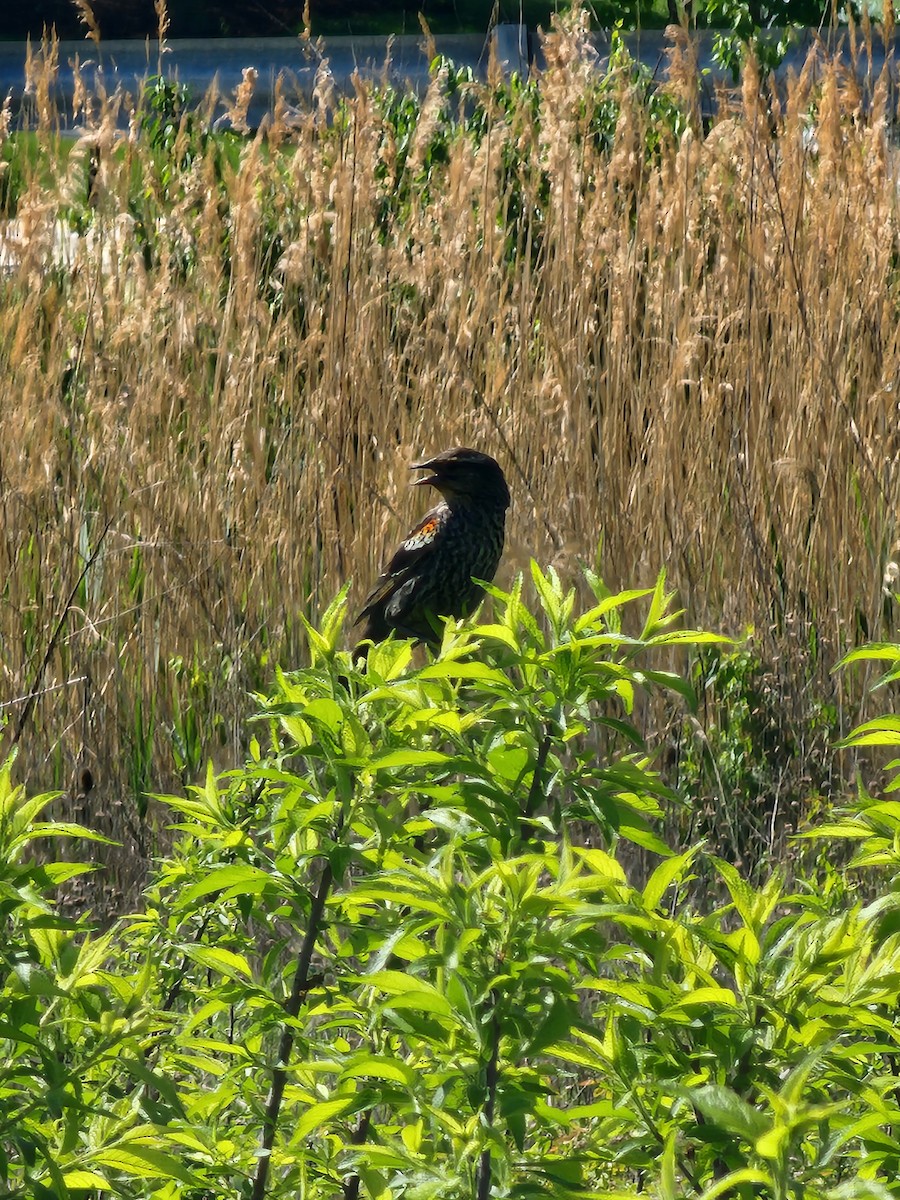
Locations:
column 691, row 354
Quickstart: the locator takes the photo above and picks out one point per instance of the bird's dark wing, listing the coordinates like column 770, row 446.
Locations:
column 401, row 572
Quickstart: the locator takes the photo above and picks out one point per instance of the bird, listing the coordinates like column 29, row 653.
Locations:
column 431, row 573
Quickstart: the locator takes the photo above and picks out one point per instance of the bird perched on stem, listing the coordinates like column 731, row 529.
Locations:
column 430, row 574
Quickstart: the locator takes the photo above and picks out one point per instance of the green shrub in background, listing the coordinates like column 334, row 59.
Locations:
column 397, row 955
column 74, row 1024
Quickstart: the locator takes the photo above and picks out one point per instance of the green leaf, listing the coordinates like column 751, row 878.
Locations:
column 594, row 615
column 741, row 891
column 885, row 651
column 665, row 875
column 373, row 1066
column 771, row 1143
column 68, row 829
column 727, row 1109
column 880, row 731
column 725, row 1185
column 408, row 991
column 214, row 958
column 571, row 1114
column 453, row 669
column 635, row 829
column 548, row 589
column 325, row 712
column 701, row 997
column 690, row 637
column 143, row 1162
column 601, row 864
column 239, row 880
column 510, row 762
column 87, row 1179
column 320, row 1115
column 659, row 614
column 409, row 757
column 61, row 872
column 497, row 633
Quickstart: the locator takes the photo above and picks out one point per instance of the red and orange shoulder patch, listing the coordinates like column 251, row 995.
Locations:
column 423, row 535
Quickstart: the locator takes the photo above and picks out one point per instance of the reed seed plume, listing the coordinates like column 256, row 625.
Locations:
column 88, row 19
column 161, row 8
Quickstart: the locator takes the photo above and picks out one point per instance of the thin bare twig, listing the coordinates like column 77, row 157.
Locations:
column 35, row 689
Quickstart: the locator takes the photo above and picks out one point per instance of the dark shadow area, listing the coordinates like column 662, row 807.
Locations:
column 268, row 18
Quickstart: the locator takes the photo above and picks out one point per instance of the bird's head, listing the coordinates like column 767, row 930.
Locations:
column 464, row 474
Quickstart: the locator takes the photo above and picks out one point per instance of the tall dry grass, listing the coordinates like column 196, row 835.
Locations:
column 210, row 400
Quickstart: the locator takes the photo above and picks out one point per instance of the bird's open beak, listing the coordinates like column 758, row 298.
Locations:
column 424, row 466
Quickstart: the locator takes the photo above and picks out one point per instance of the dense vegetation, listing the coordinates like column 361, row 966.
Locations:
column 530, row 918
column 398, row 955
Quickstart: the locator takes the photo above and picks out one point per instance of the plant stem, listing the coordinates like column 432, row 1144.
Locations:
column 491, row 1078
column 536, row 791
column 351, row 1187
column 285, row 1045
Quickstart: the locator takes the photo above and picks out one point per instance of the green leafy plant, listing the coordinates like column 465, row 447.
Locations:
column 399, row 953
column 765, row 29
column 70, row 1031
column 419, row 831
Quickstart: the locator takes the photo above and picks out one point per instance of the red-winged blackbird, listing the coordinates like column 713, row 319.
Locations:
column 430, row 575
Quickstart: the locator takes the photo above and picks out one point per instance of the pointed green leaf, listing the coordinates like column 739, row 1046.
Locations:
column 320, row 1116
column 374, row 1066
column 215, row 958
column 408, row 757
column 729, row 1183
column 240, row 880
column 727, row 1109
column 143, row 1162
column 666, row 874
